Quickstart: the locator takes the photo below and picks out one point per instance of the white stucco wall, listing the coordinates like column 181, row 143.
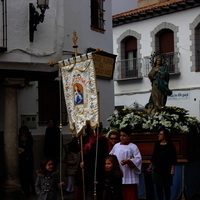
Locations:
column 78, row 19
column 139, row 90
column 45, row 46
column 119, row 6
column 52, row 37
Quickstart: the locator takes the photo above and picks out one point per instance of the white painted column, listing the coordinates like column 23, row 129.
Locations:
column 11, row 137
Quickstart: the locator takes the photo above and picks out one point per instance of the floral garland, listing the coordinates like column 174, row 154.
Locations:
column 174, row 118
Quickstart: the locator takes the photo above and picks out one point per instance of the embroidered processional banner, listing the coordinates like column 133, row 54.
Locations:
column 79, row 85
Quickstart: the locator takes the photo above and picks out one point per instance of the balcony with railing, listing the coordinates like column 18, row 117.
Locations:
column 127, row 69
column 171, row 62
column 3, row 26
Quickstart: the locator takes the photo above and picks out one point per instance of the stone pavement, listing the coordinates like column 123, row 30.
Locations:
column 69, row 196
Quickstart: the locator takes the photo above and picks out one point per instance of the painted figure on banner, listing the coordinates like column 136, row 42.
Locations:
column 78, row 94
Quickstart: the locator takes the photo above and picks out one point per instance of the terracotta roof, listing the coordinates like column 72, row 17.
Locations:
column 149, row 7
column 152, row 10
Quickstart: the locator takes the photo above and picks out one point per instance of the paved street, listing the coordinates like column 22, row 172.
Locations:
column 66, row 197
column 69, row 196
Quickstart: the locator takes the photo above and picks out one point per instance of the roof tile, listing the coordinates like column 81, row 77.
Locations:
column 146, row 8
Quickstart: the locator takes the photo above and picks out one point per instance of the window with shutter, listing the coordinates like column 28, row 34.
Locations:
column 97, row 15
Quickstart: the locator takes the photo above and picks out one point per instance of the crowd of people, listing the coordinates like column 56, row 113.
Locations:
column 107, row 167
column 102, row 167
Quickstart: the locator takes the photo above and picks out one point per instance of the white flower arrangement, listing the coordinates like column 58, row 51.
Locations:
column 174, row 118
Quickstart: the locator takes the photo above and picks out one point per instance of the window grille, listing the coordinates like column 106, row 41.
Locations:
column 97, row 14
column 3, row 26
column 171, row 60
column 127, row 69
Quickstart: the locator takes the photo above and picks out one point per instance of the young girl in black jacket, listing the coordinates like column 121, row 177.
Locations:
column 47, row 181
column 113, row 179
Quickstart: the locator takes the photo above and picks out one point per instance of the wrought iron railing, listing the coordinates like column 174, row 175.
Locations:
column 127, row 69
column 171, row 63
column 3, row 26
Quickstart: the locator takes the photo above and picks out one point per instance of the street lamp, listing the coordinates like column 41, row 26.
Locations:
column 35, row 18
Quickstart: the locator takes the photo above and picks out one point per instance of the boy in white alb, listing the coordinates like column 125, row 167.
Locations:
column 130, row 161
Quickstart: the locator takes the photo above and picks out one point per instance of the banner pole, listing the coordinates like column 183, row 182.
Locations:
column 75, row 46
column 82, row 160
column 95, row 169
column 61, row 145
column 97, row 146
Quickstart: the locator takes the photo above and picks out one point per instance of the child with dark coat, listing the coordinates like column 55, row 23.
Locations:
column 113, row 179
column 71, row 160
column 47, row 181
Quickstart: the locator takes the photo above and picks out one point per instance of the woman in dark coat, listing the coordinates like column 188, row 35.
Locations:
column 163, row 159
column 26, row 162
column 52, row 140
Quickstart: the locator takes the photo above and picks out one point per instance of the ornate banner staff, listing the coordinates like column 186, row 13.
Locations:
column 75, row 46
column 60, row 127
column 80, row 91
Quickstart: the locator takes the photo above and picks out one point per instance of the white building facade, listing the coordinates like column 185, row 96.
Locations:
column 29, row 92
column 52, row 42
column 169, row 27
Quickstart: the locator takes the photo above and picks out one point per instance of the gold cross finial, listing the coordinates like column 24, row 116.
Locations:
column 75, row 38
column 75, row 46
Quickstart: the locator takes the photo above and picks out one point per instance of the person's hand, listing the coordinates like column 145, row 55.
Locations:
column 124, row 162
column 62, row 183
column 157, row 69
column 20, row 150
column 82, row 165
column 172, row 172
column 149, row 169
